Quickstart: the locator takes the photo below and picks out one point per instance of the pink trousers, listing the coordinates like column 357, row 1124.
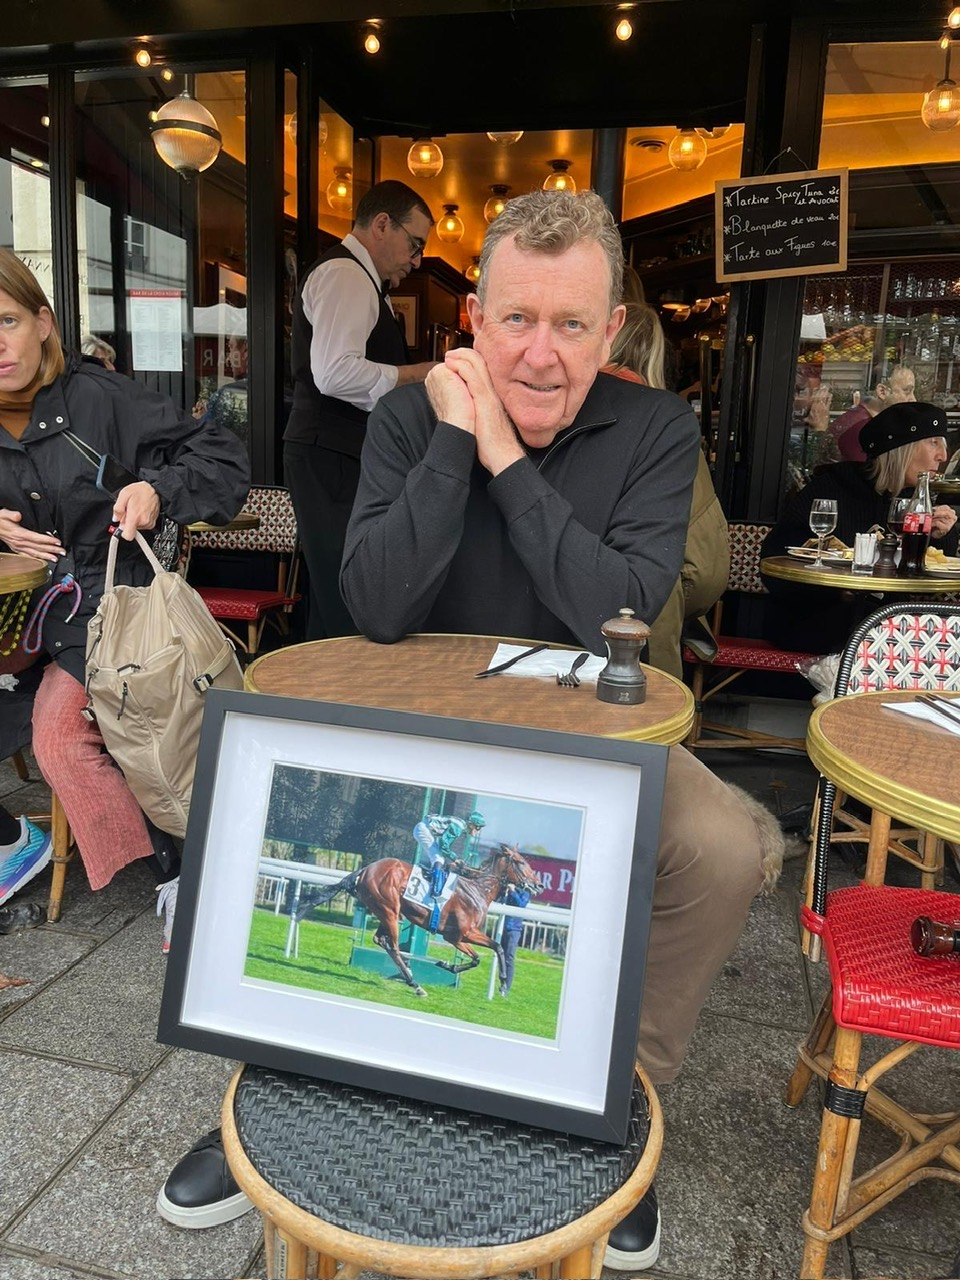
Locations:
column 106, row 820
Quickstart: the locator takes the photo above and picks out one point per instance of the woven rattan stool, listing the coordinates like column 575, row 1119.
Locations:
column 349, row 1180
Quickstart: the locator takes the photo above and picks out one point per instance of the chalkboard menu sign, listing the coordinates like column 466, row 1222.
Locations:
column 789, row 224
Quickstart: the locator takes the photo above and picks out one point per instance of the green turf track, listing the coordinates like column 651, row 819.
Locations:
column 324, row 965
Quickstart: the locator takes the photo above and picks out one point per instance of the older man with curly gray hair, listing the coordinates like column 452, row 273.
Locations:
column 523, row 492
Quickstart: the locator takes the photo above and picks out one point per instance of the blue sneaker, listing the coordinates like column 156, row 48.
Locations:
column 28, row 857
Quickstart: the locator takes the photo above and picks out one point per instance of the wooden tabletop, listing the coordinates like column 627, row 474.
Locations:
column 840, row 574
column 21, row 573
column 904, row 767
column 242, row 520
column 434, row 674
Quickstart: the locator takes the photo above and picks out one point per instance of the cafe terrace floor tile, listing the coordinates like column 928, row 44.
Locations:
column 104, row 1010
column 14, row 1266
column 902, row 1264
column 114, row 1184
column 725, row 1124
column 32, row 1150
column 761, row 981
column 41, row 955
column 131, row 892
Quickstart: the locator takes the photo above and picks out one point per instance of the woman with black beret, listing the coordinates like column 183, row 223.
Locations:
column 900, row 442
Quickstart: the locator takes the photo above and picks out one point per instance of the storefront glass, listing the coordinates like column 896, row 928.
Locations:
column 25, row 178
column 162, row 258
column 891, row 323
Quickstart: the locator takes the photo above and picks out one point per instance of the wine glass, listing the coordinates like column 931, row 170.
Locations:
column 823, row 521
column 896, row 513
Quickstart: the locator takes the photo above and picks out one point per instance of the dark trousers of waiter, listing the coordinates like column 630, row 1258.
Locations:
column 323, row 485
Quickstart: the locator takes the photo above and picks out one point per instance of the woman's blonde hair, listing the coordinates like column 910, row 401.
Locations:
column 888, row 471
column 19, row 283
column 640, row 344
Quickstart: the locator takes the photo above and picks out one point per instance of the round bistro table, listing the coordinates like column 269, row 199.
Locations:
column 840, row 574
column 434, row 674
column 242, row 520
column 21, row 573
column 904, row 768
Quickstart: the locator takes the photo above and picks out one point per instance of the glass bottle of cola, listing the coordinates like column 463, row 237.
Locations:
column 935, row 937
column 917, row 525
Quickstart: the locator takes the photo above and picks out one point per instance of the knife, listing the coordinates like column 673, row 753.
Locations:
column 527, row 653
column 949, row 709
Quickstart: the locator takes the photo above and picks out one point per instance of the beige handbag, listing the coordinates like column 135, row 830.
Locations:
column 152, row 653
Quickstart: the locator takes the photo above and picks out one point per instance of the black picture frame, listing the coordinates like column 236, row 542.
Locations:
column 594, row 794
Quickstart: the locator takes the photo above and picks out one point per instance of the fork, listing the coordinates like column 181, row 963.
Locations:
column 571, row 680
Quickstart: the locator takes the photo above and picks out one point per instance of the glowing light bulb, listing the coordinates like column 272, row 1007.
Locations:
column 624, row 29
column 941, row 107
column 687, row 151
column 494, row 206
column 559, row 179
column 953, row 19
column 424, row 159
column 340, row 191
column 143, row 57
column 450, row 228
column 371, row 42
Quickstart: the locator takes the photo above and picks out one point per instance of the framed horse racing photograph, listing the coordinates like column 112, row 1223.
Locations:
column 454, row 911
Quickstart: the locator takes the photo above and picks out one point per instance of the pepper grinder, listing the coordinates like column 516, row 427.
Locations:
column 622, row 680
column 886, row 565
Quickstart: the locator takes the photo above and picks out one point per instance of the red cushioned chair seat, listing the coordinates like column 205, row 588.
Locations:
column 880, row 984
column 754, row 655
column 241, row 602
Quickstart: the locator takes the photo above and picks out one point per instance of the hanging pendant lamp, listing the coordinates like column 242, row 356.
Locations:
column 185, row 134
column 941, row 106
column 424, row 159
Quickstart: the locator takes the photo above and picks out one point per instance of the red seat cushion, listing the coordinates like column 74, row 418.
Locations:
column 241, row 602
column 880, row 984
column 753, row 655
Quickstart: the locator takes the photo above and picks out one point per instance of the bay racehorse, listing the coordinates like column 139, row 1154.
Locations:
column 379, row 887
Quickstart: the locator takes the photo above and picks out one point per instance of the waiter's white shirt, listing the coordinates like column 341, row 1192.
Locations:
column 343, row 307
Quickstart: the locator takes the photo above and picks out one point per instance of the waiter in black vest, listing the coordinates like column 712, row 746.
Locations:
column 347, row 351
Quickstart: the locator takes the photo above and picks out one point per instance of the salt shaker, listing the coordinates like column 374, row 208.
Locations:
column 622, row 679
column 886, row 566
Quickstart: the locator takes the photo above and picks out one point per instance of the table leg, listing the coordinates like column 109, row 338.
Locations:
column 878, row 848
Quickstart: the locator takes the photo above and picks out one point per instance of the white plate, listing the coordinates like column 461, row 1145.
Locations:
column 810, row 553
column 945, row 569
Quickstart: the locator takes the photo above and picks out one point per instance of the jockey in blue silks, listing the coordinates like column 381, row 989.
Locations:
column 436, row 835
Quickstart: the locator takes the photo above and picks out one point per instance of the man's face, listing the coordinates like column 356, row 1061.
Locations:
column 901, row 387
column 544, row 329
column 400, row 246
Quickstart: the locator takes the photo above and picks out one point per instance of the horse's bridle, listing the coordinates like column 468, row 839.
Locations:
column 528, row 886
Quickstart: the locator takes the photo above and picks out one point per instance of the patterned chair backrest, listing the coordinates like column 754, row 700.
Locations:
column 745, row 543
column 904, row 647
column 277, row 531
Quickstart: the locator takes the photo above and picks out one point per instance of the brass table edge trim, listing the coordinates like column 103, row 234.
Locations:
column 802, row 572
column 880, row 792
column 29, row 580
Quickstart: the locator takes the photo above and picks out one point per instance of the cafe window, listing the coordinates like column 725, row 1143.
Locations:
column 903, row 174
column 25, row 178
column 651, row 180
column 162, row 259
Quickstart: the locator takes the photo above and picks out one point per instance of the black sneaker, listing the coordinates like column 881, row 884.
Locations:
column 634, row 1243
column 201, row 1191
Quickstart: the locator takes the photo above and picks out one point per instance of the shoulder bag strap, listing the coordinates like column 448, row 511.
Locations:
column 144, row 546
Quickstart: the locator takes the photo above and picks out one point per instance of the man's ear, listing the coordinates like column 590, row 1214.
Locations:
column 475, row 313
column 614, row 325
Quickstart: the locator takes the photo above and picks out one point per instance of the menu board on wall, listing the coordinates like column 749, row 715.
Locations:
column 787, row 224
